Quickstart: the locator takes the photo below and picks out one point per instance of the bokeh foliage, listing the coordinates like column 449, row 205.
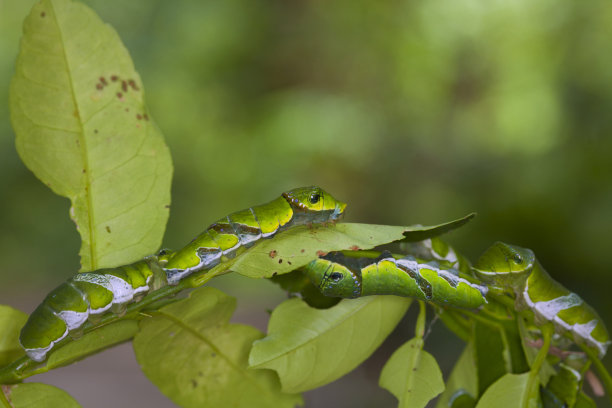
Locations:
column 410, row 111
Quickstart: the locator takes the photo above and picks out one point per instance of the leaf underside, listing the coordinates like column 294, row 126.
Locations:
column 195, row 335
column 298, row 246
column 412, row 375
column 309, row 347
column 77, row 107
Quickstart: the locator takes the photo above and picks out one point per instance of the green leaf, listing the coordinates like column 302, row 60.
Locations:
column 462, row 383
column 300, row 245
column 419, row 232
column 491, row 354
column 11, row 322
column 35, row 395
column 310, row 347
column 197, row 358
column 89, row 137
column 584, row 401
column 510, row 391
column 92, row 342
column 412, row 375
column 565, row 385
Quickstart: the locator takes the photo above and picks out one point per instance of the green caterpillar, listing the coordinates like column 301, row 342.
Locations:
column 515, row 268
column 91, row 294
column 340, row 276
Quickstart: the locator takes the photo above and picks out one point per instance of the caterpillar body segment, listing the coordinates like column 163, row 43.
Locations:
column 87, row 296
column 517, row 269
column 340, row 276
column 228, row 236
column 84, row 297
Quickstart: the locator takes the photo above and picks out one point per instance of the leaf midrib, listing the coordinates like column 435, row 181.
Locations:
column 93, row 262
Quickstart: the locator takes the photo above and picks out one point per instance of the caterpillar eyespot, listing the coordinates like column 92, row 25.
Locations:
column 518, row 270
column 89, row 295
column 336, row 276
column 340, row 276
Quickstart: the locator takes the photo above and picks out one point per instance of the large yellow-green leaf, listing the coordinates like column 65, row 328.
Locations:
column 198, row 359
column 412, row 375
column 510, row 391
column 11, row 321
column 300, row 245
column 310, row 347
column 77, row 107
column 35, row 395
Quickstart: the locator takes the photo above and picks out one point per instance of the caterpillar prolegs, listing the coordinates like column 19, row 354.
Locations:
column 92, row 294
column 340, row 276
column 517, row 269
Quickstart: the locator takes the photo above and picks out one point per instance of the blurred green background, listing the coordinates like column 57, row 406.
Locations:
column 410, row 111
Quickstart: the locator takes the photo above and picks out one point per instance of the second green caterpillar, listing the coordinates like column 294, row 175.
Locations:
column 340, row 276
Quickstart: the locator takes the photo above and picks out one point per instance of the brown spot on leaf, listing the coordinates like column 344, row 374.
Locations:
column 145, row 116
column 108, row 229
column 273, row 253
column 275, row 273
column 95, row 130
column 103, row 81
column 133, row 85
column 139, row 116
column 119, row 95
column 355, row 248
column 302, row 250
column 127, row 109
column 280, row 260
column 124, row 86
column 321, row 253
column 43, row 14
column 99, row 86
column 167, row 206
column 289, row 262
column 114, row 78
column 84, row 171
column 194, row 383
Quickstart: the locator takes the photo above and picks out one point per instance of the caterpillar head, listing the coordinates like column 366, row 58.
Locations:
column 505, row 265
column 333, row 279
column 315, row 199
